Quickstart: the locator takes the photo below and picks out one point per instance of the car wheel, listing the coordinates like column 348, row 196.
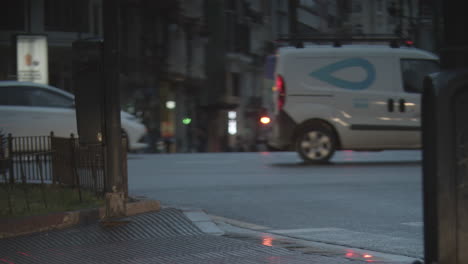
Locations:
column 316, row 144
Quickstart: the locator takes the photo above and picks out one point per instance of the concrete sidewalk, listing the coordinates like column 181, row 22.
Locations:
column 169, row 236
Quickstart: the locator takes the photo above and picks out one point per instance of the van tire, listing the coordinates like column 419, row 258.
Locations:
column 316, row 144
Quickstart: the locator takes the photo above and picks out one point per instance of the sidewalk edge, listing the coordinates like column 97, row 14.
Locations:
column 200, row 219
column 39, row 223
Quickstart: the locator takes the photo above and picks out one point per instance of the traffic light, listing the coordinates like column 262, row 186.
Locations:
column 187, row 121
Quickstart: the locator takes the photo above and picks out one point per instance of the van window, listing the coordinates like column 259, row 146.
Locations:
column 413, row 72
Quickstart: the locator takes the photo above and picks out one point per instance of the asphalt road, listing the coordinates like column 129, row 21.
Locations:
column 361, row 200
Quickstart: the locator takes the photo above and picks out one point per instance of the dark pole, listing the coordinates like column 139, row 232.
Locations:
column 436, row 23
column 454, row 53
column 293, row 31
column 113, row 137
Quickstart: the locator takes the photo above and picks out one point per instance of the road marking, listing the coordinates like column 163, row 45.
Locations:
column 206, row 162
column 414, row 224
column 305, row 230
column 237, row 223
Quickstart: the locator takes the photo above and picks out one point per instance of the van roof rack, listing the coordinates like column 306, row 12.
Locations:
column 338, row 41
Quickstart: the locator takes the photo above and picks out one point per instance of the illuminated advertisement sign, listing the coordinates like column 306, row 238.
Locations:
column 32, row 59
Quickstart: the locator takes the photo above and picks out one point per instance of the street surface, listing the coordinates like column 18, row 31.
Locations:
column 368, row 200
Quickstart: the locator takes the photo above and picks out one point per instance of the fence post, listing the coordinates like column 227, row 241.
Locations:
column 124, row 165
column 73, row 161
column 39, row 168
column 94, row 165
column 53, row 161
column 7, row 186
column 10, row 156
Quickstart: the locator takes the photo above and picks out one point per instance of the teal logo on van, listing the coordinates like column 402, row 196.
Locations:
column 325, row 74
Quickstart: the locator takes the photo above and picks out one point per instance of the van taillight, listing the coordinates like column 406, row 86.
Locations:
column 281, row 88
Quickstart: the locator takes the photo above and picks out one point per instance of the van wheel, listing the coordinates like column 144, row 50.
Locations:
column 316, row 144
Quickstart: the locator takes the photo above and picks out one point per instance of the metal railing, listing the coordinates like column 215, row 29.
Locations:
column 30, row 159
column 45, row 164
column 77, row 165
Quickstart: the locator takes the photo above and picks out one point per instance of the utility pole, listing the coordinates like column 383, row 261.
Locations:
column 114, row 185
column 212, row 99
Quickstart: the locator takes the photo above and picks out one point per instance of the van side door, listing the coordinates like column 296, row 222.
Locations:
column 366, row 111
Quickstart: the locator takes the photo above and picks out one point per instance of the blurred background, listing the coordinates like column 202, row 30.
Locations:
column 196, row 73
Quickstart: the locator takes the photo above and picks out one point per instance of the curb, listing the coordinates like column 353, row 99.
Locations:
column 200, row 219
column 261, row 234
column 40, row 223
column 203, row 221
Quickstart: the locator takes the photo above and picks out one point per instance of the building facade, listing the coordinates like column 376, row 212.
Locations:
column 411, row 19
column 61, row 22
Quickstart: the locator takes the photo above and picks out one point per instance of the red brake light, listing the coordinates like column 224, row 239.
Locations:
column 281, row 88
column 409, row 43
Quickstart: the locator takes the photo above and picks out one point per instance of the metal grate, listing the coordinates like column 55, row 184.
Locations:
column 164, row 237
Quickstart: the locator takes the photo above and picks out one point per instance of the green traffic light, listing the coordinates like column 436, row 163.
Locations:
column 187, row 121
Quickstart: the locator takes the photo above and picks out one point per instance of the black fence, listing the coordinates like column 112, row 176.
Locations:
column 29, row 159
column 77, row 165
column 33, row 168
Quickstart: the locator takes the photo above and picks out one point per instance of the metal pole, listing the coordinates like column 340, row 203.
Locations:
column 293, row 31
column 114, row 183
column 10, row 156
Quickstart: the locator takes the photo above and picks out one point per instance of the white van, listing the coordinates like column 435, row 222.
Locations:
column 353, row 97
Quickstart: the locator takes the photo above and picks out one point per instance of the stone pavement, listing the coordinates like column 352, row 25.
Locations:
column 167, row 236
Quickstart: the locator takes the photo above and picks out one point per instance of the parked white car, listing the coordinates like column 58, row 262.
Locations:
column 353, row 97
column 32, row 109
